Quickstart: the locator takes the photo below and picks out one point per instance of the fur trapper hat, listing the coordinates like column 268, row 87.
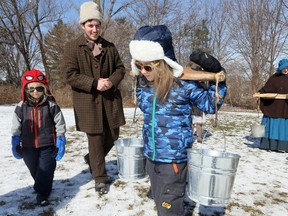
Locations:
column 88, row 11
column 153, row 43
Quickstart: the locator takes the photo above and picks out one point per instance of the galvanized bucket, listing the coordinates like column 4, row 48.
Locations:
column 130, row 158
column 257, row 130
column 211, row 176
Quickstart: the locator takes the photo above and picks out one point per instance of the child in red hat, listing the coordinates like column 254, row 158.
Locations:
column 38, row 132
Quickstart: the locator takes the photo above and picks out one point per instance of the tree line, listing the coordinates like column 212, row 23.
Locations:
column 248, row 37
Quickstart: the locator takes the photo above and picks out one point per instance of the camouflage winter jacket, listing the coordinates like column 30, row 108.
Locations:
column 167, row 129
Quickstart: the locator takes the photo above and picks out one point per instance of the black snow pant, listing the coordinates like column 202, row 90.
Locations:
column 41, row 164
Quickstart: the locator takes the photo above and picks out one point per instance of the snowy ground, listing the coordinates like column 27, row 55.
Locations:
column 260, row 187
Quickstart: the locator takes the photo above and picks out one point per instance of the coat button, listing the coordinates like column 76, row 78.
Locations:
column 95, row 66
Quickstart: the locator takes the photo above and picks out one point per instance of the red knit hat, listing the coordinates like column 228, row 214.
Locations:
column 33, row 76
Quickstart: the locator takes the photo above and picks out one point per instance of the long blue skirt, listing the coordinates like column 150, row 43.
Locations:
column 276, row 134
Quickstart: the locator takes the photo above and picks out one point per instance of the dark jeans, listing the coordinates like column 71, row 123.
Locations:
column 41, row 164
column 168, row 183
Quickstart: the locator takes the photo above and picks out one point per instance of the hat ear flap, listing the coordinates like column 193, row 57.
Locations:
column 177, row 68
column 134, row 69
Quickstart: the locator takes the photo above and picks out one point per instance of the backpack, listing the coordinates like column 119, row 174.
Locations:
column 206, row 61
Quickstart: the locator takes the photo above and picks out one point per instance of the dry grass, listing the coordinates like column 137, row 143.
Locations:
column 9, row 94
column 63, row 97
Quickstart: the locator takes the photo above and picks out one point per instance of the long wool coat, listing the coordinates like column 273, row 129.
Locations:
column 81, row 68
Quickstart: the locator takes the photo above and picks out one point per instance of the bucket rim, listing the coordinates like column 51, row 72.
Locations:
column 216, row 152
column 130, row 139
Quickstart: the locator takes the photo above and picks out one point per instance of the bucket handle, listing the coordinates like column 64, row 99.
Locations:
column 224, row 135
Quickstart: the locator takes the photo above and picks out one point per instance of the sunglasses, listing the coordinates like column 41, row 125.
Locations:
column 147, row 68
column 38, row 89
column 40, row 77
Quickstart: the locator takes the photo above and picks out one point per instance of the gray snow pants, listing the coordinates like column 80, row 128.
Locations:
column 168, row 181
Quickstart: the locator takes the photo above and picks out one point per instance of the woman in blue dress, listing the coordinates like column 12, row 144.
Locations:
column 275, row 111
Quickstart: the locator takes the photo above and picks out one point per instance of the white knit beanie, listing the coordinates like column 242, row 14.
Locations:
column 88, row 11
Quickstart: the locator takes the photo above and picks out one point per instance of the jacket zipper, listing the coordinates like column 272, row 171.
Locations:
column 153, row 128
column 35, row 127
column 31, row 121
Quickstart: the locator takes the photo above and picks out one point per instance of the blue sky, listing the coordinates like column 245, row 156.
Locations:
column 72, row 13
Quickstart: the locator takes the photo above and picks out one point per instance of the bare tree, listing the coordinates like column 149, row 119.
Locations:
column 54, row 42
column 185, row 19
column 10, row 57
column 112, row 10
column 258, row 36
column 11, row 15
column 120, row 31
column 218, row 18
column 109, row 10
column 42, row 12
column 153, row 12
column 23, row 21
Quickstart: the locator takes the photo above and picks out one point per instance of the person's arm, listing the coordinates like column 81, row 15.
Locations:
column 204, row 98
column 16, row 132
column 71, row 70
column 58, row 118
column 60, row 127
column 17, row 120
column 119, row 73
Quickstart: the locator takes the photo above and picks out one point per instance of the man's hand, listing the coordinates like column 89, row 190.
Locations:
column 104, row 84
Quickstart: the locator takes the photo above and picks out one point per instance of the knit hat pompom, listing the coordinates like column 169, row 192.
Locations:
column 89, row 11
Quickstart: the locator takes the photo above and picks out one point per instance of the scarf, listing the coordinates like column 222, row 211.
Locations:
column 94, row 47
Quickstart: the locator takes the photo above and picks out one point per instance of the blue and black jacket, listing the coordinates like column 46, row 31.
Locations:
column 167, row 129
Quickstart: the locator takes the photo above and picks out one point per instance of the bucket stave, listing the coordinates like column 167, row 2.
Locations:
column 211, row 176
column 130, row 158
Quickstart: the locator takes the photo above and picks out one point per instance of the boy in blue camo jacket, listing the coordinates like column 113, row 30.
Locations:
column 166, row 103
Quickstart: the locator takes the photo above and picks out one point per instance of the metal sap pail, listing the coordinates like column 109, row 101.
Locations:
column 130, row 158
column 211, row 176
column 257, row 130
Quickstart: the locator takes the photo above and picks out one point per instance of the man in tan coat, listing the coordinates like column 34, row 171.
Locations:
column 94, row 69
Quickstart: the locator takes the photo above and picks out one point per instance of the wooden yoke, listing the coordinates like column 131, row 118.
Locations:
column 270, row 95
column 190, row 74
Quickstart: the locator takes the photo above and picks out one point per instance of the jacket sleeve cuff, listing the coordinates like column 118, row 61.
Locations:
column 94, row 85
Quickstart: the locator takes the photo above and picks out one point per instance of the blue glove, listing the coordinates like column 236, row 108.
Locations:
column 60, row 144
column 16, row 148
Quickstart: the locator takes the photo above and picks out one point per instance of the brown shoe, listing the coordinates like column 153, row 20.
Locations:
column 101, row 188
column 199, row 140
